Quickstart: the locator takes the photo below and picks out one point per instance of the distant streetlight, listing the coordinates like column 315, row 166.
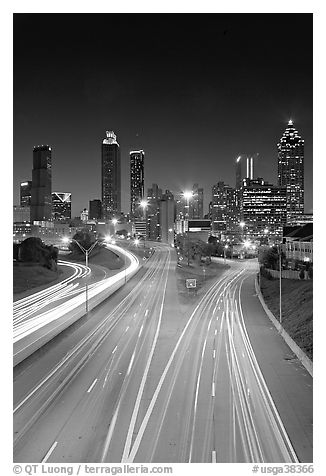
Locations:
column 86, row 253
column 114, row 223
column 242, row 225
column 188, row 196
column 144, row 205
column 225, row 248
column 280, row 283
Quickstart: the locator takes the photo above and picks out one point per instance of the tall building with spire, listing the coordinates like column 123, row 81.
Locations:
column 111, row 176
column 291, row 171
column 136, row 182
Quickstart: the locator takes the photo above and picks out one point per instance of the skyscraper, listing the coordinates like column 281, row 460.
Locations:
column 196, row 204
column 41, row 200
column 61, row 206
column 263, row 206
column 25, row 193
column 167, row 215
column 136, row 182
column 224, row 214
column 111, row 176
column 95, row 209
column 154, row 195
column 291, row 171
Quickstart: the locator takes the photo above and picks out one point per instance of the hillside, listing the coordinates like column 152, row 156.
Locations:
column 297, row 309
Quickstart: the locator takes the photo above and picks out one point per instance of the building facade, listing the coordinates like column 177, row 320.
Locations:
column 61, row 206
column 136, row 183
column 196, row 203
column 154, row 195
column 291, row 171
column 21, row 214
column 41, row 199
column 25, row 193
column 224, row 214
column 95, row 209
column 167, row 215
column 111, row 176
column 263, row 207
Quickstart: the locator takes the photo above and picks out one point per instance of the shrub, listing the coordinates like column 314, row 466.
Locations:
column 265, row 273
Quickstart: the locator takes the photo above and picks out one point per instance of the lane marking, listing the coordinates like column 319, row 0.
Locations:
column 114, row 349
column 214, row 353
column 126, row 452
column 213, row 456
column 147, row 416
column 215, row 332
column 127, row 329
column 92, row 386
column 146, row 312
column 48, row 454
column 213, row 389
column 141, row 330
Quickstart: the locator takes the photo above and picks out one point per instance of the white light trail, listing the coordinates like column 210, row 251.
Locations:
column 26, row 328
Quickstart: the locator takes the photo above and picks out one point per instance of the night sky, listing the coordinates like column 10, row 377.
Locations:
column 193, row 90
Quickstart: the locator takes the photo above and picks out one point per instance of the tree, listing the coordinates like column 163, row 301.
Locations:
column 84, row 238
column 33, row 250
column 269, row 258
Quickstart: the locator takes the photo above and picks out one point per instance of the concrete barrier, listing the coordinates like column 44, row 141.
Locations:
column 31, row 343
column 304, row 359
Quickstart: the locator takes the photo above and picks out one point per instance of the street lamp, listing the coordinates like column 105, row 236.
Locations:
column 242, row 225
column 225, row 248
column 144, row 205
column 86, row 253
column 280, row 267
column 188, row 196
column 114, row 222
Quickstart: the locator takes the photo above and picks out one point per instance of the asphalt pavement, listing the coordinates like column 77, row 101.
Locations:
column 141, row 381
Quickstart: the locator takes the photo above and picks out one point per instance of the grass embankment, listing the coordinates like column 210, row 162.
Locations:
column 203, row 278
column 99, row 256
column 32, row 275
column 297, row 309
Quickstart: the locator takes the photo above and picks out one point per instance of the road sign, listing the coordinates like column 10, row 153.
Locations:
column 191, row 283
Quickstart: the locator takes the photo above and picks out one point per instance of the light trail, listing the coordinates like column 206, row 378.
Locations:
column 32, row 325
column 25, row 307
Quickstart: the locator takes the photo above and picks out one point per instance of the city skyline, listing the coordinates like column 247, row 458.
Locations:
column 199, row 126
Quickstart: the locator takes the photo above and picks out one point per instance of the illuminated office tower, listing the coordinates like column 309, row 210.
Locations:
column 291, row 171
column 111, row 176
column 196, row 204
column 263, row 206
column 136, row 183
column 41, row 199
column 25, row 193
column 223, row 209
column 61, row 206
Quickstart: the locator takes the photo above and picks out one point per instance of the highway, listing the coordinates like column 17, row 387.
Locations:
column 60, row 307
column 32, row 304
column 143, row 381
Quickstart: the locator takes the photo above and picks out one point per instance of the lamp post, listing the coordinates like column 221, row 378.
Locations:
column 225, row 248
column 86, row 253
column 280, row 268
column 114, row 222
column 144, row 204
column 188, row 195
column 242, row 225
